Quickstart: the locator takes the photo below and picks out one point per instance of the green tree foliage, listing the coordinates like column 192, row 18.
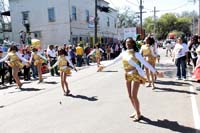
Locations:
column 181, row 23
column 127, row 19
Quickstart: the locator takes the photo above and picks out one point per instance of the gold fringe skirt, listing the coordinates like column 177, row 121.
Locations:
column 37, row 62
column 13, row 64
column 66, row 70
column 135, row 77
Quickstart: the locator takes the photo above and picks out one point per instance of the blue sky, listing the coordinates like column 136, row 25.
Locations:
column 163, row 6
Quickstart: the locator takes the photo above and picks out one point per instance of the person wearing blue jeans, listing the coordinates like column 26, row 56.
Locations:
column 180, row 57
column 181, row 67
column 34, row 70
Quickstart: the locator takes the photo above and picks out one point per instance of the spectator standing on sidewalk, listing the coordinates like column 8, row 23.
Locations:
column 192, row 47
column 26, row 55
column 79, row 55
column 196, row 72
column 180, row 56
column 52, row 58
column 72, row 54
column 2, row 68
column 86, row 52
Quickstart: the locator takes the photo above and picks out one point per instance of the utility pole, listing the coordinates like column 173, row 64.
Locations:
column 141, row 7
column 95, row 23
column 154, row 16
column 199, row 20
column 70, row 25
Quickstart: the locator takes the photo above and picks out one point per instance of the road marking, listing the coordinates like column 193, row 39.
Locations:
column 196, row 115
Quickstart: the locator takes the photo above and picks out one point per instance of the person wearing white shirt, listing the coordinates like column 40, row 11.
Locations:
column 134, row 74
column 52, row 58
column 180, row 57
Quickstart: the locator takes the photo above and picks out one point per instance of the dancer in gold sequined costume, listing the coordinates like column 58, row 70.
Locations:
column 134, row 74
column 14, row 60
column 97, row 52
column 38, row 60
column 148, row 52
column 64, row 69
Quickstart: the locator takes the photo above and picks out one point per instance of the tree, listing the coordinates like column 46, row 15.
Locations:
column 148, row 25
column 127, row 19
column 181, row 23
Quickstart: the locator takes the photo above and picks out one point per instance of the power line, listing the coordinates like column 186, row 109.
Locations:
column 129, row 1
column 175, row 7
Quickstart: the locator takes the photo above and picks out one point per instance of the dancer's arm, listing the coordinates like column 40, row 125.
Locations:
column 101, row 50
column 30, row 60
column 38, row 53
column 4, row 58
column 117, row 59
column 91, row 52
column 145, row 63
column 22, row 58
column 54, row 65
column 70, row 63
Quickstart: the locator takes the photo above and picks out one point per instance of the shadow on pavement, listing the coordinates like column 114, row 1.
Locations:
column 93, row 98
column 172, row 83
column 109, row 71
column 171, row 125
column 50, row 82
column 1, row 106
column 174, row 90
column 26, row 89
column 6, row 87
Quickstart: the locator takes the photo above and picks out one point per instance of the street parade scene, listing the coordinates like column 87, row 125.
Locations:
column 100, row 66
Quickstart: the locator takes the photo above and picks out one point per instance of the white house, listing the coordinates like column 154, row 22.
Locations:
column 60, row 22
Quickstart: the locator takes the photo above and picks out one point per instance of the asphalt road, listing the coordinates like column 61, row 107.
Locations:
column 99, row 104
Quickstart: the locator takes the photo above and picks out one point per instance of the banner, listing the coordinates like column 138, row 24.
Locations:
column 130, row 32
column 91, row 22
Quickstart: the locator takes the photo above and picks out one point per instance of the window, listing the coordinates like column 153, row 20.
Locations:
column 25, row 17
column 73, row 13
column 87, row 15
column 51, row 14
column 108, row 22
column 37, row 34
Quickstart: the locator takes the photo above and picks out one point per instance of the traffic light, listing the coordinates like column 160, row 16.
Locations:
column 103, row 9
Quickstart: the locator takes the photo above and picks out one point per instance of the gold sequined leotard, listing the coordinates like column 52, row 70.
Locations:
column 37, row 59
column 14, row 60
column 146, row 51
column 98, row 53
column 131, row 73
column 62, row 64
